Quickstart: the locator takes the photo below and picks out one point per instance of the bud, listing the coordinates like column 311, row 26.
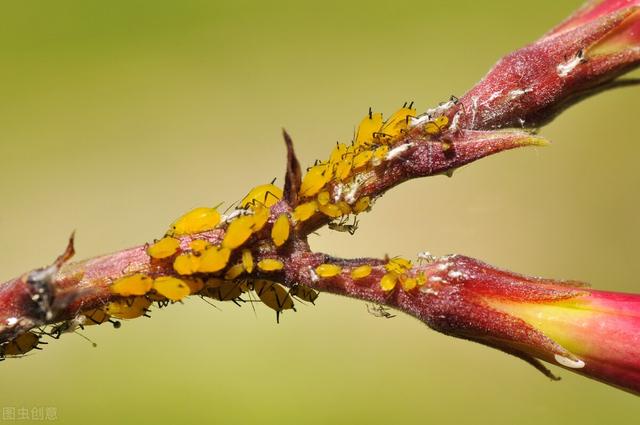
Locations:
column 594, row 333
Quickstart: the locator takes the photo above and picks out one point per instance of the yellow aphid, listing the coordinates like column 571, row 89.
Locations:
column 324, row 197
column 164, row 248
column 20, row 345
column 266, row 195
column 260, row 218
column 195, row 221
column 421, row 279
column 222, row 290
column 370, row 125
column 238, row 232
column 128, row 308
column 247, row 260
column 171, row 288
column 331, row 210
column 398, row 265
column 304, row 211
column 186, row 264
column 328, row 270
column 304, row 293
column 234, row 271
column 195, row 285
column 362, row 159
column 138, row 284
column 362, row 205
column 338, row 153
column 437, row 126
column 388, row 281
column 270, row 265
column 280, row 230
column 344, row 167
column 214, row 259
column 398, row 122
column 344, row 207
column 361, row 272
column 408, row 283
column 315, row 179
column 273, row 296
column 199, row 245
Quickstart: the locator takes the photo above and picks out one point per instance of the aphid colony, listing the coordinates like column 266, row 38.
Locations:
column 227, row 271
column 398, row 271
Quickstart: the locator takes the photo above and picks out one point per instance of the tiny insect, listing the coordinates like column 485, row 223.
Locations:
column 21, row 345
column 247, row 260
column 129, row 308
column 186, row 264
column 437, row 126
column 361, row 272
column 280, row 230
column 388, row 282
column 195, row 221
column 369, row 126
column 238, row 232
column 379, row 311
column 234, row 271
column 221, row 290
column 399, row 121
column 343, row 226
column 137, row 284
column 304, row 293
column 163, row 248
column 171, row 288
column 68, row 326
column 71, row 326
column 274, row 296
column 97, row 317
column 214, row 259
column 315, row 180
column 270, row 265
column 304, row 212
column 328, row 270
column 266, row 195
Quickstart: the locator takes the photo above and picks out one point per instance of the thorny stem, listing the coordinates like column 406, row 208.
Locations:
column 525, row 89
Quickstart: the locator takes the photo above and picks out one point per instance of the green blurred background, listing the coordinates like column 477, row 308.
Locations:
column 115, row 117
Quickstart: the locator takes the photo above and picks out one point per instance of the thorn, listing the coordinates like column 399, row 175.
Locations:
column 293, row 176
column 68, row 252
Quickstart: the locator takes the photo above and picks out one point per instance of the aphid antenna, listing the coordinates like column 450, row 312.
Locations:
column 210, row 303
column 85, row 338
column 253, row 307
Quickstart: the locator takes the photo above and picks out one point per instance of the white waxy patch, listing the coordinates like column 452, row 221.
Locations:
column 442, row 266
column 454, row 274
column 566, row 68
column 441, row 109
column 419, row 120
column 426, row 256
column 427, row 290
column 514, row 94
column 314, row 276
column 227, row 218
column 337, row 192
column 570, row 363
column 398, row 150
column 435, row 279
column 11, row 321
column 455, row 121
column 494, row 96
